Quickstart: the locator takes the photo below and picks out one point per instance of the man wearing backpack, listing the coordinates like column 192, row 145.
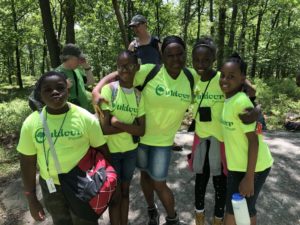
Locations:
column 146, row 47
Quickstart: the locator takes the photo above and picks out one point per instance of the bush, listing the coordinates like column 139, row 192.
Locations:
column 277, row 97
column 12, row 115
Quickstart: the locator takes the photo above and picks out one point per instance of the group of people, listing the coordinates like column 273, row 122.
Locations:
column 143, row 104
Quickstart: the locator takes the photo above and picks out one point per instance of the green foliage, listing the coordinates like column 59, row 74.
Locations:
column 12, row 115
column 278, row 98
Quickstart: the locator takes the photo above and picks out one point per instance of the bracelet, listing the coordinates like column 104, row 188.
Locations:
column 27, row 193
column 89, row 68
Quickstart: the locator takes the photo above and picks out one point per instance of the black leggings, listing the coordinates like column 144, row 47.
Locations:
column 219, row 185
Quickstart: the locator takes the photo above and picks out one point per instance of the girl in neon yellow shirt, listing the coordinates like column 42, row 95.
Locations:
column 248, row 158
column 167, row 96
column 124, row 105
column 208, row 155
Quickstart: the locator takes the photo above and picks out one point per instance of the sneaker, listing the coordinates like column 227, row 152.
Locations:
column 217, row 221
column 153, row 216
column 174, row 221
column 199, row 218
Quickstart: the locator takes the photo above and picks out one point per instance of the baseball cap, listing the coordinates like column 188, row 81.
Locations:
column 137, row 19
column 72, row 50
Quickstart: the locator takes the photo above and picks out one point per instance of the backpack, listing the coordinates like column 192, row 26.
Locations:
column 155, row 70
column 114, row 89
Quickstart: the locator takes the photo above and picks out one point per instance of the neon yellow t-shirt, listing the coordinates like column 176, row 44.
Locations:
column 125, row 108
column 236, row 142
column 166, row 100
column 79, row 131
column 213, row 98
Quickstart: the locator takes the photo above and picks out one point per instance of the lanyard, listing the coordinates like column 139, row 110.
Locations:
column 46, row 154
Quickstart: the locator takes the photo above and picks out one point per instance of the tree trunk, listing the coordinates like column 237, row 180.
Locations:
column 31, row 60
column 69, row 12
column 221, row 33
column 157, row 18
column 274, row 22
column 9, row 69
column 232, row 30
column 17, row 51
column 200, row 6
column 211, row 17
column 52, row 43
column 241, row 43
column 186, row 19
column 256, row 40
column 120, row 22
column 60, row 22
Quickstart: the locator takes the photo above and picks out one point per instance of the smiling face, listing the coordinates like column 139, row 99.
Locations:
column 54, row 92
column 231, row 79
column 203, row 60
column 174, row 58
column 127, row 68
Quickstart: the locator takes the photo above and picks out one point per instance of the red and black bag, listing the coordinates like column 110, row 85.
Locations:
column 89, row 186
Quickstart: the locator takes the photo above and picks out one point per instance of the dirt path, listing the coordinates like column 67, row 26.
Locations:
column 279, row 202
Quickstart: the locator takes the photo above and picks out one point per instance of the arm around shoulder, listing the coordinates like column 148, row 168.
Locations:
column 97, row 98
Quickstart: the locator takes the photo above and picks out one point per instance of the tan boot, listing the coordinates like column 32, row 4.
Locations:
column 199, row 218
column 218, row 221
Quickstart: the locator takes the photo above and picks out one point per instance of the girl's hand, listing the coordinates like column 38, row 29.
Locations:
column 250, row 115
column 246, row 187
column 36, row 209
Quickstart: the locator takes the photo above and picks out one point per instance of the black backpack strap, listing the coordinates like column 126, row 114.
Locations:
column 154, row 42
column 149, row 77
column 76, row 82
column 190, row 77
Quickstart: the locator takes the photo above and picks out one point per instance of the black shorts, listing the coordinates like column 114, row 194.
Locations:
column 233, row 180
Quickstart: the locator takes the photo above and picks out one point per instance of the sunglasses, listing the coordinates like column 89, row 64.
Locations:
column 126, row 67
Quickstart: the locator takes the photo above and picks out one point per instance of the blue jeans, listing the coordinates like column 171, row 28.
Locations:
column 155, row 160
column 124, row 164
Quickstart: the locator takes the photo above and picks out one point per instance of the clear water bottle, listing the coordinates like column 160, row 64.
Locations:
column 240, row 209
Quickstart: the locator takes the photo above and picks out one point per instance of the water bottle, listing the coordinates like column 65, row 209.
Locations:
column 240, row 209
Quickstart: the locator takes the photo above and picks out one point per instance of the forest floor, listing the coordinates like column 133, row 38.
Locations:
column 279, row 201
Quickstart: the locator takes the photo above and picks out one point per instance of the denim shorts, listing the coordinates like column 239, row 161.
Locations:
column 155, row 160
column 124, row 164
column 233, row 181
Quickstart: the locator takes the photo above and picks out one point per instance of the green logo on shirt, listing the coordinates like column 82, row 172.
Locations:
column 71, row 134
column 161, row 90
column 39, row 135
column 228, row 124
column 125, row 108
column 211, row 97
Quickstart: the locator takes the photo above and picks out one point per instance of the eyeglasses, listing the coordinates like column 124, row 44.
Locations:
column 126, row 67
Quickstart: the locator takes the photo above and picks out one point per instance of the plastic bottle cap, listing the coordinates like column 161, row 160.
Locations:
column 237, row 197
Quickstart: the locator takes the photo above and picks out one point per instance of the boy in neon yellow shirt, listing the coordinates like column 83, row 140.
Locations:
column 73, row 130
column 248, row 158
column 124, row 106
